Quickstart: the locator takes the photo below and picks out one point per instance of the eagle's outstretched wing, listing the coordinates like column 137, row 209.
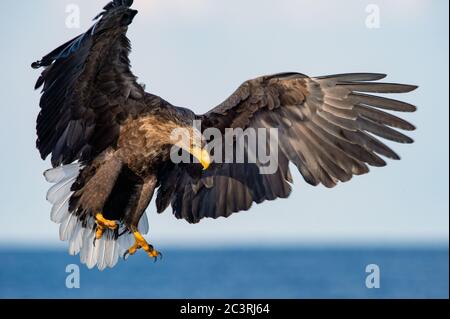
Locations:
column 86, row 84
column 328, row 127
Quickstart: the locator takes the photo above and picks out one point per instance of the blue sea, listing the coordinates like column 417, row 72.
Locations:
column 233, row 273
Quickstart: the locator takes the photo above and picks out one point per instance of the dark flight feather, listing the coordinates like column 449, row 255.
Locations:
column 326, row 126
column 82, row 78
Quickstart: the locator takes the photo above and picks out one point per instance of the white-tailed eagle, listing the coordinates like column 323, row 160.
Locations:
column 110, row 141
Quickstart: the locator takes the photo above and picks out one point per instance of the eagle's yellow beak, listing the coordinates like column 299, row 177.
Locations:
column 202, row 155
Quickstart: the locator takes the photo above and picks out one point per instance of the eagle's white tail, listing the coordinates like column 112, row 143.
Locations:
column 106, row 251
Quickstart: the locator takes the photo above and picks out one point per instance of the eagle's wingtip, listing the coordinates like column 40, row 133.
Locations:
column 36, row 65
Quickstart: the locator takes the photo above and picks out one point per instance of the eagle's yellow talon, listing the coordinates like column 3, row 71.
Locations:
column 99, row 232
column 132, row 250
column 154, row 254
column 103, row 224
column 139, row 243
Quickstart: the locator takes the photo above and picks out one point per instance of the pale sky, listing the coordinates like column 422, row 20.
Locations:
column 195, row 53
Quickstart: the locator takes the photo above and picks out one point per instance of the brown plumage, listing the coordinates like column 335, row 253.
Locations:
column 96, row 115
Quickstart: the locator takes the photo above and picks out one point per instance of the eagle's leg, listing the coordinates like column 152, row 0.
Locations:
column 106, row 170
column 144, row 194
column 139, row 243
column 103, row 224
